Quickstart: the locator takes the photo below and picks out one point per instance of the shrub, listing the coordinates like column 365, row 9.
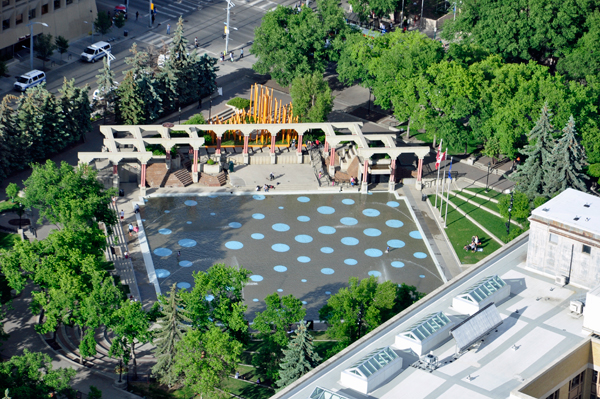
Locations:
column 197, row 119
column 239, row 103
column 207, row 139
column 210, row 162
column 539, row 201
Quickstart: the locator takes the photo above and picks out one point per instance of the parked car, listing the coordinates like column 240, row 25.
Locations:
column 30, row 79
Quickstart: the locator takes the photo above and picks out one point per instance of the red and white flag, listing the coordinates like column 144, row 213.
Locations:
column 441, row 156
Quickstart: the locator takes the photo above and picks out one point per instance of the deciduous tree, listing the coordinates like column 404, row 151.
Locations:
column 311, row 97
column 44, row 46
column 62, row 44
column 102, row 24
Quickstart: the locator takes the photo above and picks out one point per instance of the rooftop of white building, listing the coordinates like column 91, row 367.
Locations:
column 572, row 208
column 538, row 328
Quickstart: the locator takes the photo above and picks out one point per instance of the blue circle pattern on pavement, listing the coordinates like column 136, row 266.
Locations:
column 183, row 285
column 420, row 255
column 258, row 197
column 258, row 216
column 304, row 302
column 373, row 252
column 393, row 204
column 303, row 238
column 416, row 235
column 189, row 222
column 348, row 221
column 257, row 236
column 280, row 247
column 372, row 232
column 325, row 210
column 303, row 280
column 327, row 250
column 187, row 243
column 280, row 207
column 348, row 201
column 327, row 292
column 370, row 212
column 191, row 203
column 397, row 264
column 164, row 231
column 351, row 262
column 235, row 225
column 349, row 241
column 209, row 297
column 234, row 245
column 212, row 214
column 162, row 273
column 279, row 290
column 393, row 223
column 256, row 277
column 326, row 230
column 185, row 263
column 422, row 276
column 213, row 196
column 327, row 270
column 374, row 273
column 303, row 199
column 280, row 227
column 303, row 219
column 396, row 243
column 303, row 259
column 255, row 300
column 167, row 211
column 162, row 252
column 280, row 269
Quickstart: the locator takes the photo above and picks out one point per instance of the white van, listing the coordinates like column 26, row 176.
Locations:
column 94, row 52
column 30, row 79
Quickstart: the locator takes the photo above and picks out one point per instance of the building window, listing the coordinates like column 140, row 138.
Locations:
column 19, row 19
column 32, row 13
column 5, row 3
column 6, row 24
column 56, row 4
column 69, row 1
column 586, row 249
column 553, row 238
column 45, row 9
column 554, row 395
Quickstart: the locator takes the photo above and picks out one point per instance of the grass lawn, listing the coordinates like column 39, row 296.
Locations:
column 481, row 190
column 320, row 335
column 460, row 230
column 8, row 240
column 493, row 223
column 487, row 203
column 8, row 206
column 156, row 391
column 246, row 390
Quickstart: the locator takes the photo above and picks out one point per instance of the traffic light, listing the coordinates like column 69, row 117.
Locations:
column 152, row 6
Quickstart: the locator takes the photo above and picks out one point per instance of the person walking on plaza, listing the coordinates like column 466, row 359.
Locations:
column 122, row 214
column 130, row 227
column 231, row 56
column 196, row 42
column 241, row 53
column 168, row 29
column 387, row 250
column 137, row 15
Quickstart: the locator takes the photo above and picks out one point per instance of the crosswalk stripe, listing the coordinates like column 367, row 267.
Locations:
column 255, row 3
column 146, row 36
column 174, row 8
column 266, row 5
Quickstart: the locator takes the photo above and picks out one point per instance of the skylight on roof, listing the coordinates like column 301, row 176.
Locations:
column 322, row 393
column 483, row 289
column 374, row 361
column 427, row 326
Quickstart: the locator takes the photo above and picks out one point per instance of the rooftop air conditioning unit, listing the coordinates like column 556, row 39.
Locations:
column 576, row 307
column 561, row 280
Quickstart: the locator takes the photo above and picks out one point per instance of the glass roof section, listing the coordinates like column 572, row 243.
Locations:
column 375, row 360
column 483, row 289
column 322, row 393
column 426, row 327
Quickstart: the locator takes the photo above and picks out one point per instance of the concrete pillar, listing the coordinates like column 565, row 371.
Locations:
column 332, row 161
column 168, row 159
column 245, row 152
column 273, row 155
column 365, row 186
column 195, row 167
column 116, row 180
column 143, row 181
column 299, row 149
column 392, row 183
column 326, row 147
column 420, row 174
column 218, row 150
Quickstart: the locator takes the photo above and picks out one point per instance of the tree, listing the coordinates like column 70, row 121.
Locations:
column 10, row 137
column 520, row 210
column 358, row 309
column 120, row 20
column 217, row 299
column 95, row 393
column 311, row 97
column 12, row 191
column 565, row 168
column 130, row 106
column 299, row 357
column 530, row 176
column 77, row 111
column 102, row 24
column 172, row 326
column 44, row 46
column 70, row 197
column 205, row 358
column 31, row 376
column 62, row 44
column 106, row 86
column 148, row 87
column 583, row 59
column 130, row 323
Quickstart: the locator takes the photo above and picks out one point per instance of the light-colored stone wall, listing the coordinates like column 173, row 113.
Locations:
column 565, row 257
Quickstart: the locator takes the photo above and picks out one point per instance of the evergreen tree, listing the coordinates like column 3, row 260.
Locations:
column 530, row 176
column 567, row 162
column 9, row 138
column 76, row 108
column 129, row 107
column 106, row 87
column 148, row 87
column 30, row 122
column 299, row 357
column 177, row 72
column 171, row 330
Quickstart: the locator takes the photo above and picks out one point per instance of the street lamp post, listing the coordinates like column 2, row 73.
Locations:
column 31, row 41
column 509, row 212
column 230, row 5
column 109, row 57
column 487, row 178
column 92, row 37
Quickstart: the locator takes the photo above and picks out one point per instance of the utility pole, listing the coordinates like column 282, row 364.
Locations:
column 230, row 5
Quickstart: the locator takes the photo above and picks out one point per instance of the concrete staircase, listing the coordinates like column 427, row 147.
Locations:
column 213, row 181
column 183, row 176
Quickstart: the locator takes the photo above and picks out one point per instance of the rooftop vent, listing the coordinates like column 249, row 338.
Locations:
column 587, row 219
column 588, row 205
column 546, row 209
column 576, row 218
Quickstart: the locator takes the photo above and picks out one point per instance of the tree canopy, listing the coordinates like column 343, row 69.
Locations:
column 311, row 98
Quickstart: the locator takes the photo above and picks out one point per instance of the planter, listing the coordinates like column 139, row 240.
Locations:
column 211, row 169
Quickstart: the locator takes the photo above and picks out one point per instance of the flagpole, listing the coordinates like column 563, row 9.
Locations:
column 443, row 183
column 438, row 173
column 448, row 199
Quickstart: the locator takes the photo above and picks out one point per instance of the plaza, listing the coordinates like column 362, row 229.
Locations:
column 304, row 244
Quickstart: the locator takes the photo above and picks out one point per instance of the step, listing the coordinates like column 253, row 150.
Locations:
column 184, row 177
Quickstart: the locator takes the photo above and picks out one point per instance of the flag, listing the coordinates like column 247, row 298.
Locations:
column 441, row 156
column 450, row 170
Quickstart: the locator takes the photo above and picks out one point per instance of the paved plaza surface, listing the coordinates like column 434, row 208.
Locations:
column 305, row 245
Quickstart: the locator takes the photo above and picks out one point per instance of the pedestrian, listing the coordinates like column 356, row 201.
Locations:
column 130, row 227
column 137, row 15
column 196, row 42
column 241, row 53
column 258, row 381
column 136, row 230
column 136, row 208
column 178, row 254
column 114, row 200
column 387, row 250
column 231, row 56
column 272, row 176
column 153, row 18
column 221, row 57
column 237, row 375
column 122, row 214
column 126, row 255
column 168, row 29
